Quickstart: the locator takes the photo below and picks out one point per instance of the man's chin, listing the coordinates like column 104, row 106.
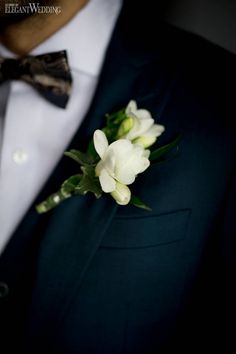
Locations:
column 6, row 21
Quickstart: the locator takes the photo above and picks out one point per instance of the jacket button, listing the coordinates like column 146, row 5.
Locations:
column 4, row 290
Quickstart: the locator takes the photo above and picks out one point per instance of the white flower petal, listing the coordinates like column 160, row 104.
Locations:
column 109, row 163
column 131, row 107
column 138, row 151
column 139, row 128
column 99, row 168
column 143, row 114
column 121, row 149
column 146, row 153
column 156, row 130
column 125, row 175
column 100, row 143
column 108, row 183
column 133, row 164
column 145, row 164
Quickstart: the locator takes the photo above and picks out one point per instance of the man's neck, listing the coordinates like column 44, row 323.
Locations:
column 24, row 36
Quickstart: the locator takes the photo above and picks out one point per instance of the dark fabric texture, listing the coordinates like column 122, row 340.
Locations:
column 49, row 74
column 92, row 277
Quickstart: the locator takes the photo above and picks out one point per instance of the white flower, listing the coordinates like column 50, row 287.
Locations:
column 139, row 126
column 120, row 163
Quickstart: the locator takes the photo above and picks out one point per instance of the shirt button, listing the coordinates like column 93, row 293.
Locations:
column 4, row 290
column 20, row 156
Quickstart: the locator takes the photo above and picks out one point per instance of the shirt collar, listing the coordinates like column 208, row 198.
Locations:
column 85, row 37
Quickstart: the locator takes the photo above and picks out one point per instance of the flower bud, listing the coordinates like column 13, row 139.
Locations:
column 125, row 127
column 145, row 141
column 121, row 194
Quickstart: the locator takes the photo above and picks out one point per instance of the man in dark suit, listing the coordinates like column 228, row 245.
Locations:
column 94, row 277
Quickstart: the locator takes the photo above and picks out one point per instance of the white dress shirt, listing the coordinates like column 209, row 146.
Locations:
column 33, row 132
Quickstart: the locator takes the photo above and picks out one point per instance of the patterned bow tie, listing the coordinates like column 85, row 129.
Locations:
column 49, row 74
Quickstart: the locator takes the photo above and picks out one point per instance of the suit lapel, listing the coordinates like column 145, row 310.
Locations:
column 74, row 230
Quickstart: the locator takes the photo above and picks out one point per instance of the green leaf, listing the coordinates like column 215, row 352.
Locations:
column 80, row 157
column 116, row 118
column 92, row 152
column 68, row 187
column 89, row 182
column 163, row 150
column 110, row 133
column 138, row 203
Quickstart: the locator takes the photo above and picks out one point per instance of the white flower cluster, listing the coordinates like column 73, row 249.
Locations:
column 124, row 159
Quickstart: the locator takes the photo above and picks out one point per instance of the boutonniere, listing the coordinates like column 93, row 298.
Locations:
column 116, row 155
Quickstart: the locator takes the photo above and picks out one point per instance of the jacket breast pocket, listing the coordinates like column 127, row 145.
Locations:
column 146, row 231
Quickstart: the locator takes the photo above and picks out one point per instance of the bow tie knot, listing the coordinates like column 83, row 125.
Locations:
column 11, row 69
column 48, row 73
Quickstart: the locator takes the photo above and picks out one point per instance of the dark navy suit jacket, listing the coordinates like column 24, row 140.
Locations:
column 93, row 277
